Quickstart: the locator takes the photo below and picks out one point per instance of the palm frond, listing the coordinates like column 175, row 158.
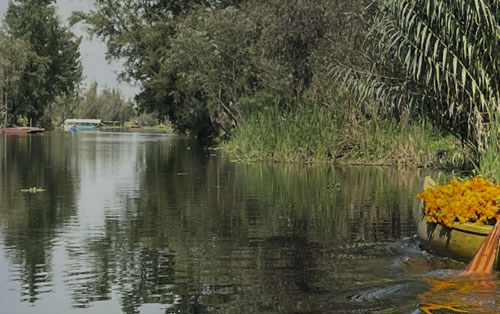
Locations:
column 444, row 55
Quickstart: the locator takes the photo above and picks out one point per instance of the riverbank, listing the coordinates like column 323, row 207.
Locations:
column 160, row 127
column 316, row 135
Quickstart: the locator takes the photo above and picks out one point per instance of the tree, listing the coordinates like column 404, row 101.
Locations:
column 292, row 32
column 136, row 32
column 53, row 64
column 213, row 61
column 13, row 60
column 195, row 59
column 108, row 105
column 140, row 34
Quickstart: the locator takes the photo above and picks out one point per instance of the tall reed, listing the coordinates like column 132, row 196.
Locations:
column 489, row 164
column 303, row 134
column 318, row 134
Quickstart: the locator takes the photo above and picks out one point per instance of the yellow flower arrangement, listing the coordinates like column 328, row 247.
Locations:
column 475, row 200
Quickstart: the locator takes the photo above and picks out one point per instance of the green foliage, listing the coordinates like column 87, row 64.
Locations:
column 22, row 120
column 437, row 59
column 33, row 190
column 331, row 79
column 302, row 134
column 211, row 58
column 148, row 119
column 142, row 33
column 292, row 33
column 259, row 103
column 489, row 165
column 406, row 144
column 196, row 60
column 316, row 134
column 53, row 66
column 108, row 105
column 62, row 108
column 13, row 60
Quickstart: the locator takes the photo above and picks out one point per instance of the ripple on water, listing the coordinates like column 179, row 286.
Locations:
column 378, row 294
column 141, row 225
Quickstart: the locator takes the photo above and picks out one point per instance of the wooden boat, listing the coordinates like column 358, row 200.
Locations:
column 461, row 242
column 21, row 130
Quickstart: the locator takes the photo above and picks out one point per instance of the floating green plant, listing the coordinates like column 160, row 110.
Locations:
column 32, row 190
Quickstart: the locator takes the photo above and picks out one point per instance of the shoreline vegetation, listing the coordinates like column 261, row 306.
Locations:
column 309, row 135
column 396, row 82
column 158, row 127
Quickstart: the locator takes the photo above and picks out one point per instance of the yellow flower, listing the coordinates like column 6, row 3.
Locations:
column 475, row 200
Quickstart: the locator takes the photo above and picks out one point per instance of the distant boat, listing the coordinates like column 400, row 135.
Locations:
column 85, row 127
column 81, row 124
column 21, row 130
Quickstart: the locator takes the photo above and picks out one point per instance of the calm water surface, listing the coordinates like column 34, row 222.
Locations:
column 153, row 223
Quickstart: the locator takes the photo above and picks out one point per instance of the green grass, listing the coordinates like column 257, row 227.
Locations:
column 409, row 144
column 306, row 135
column 167, row 128
column 317, row 135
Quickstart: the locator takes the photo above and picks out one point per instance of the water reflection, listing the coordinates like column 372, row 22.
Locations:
column 152, row 223
column 460, row 294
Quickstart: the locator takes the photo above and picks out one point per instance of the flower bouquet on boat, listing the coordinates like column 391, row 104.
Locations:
column 460, row 220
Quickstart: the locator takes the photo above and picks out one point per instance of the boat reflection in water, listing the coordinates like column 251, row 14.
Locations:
column 460, row 294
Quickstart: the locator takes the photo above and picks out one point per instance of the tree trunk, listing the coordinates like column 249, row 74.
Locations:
column 6, row 103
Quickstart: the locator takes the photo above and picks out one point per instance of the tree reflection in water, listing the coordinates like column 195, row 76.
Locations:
column 128, row 220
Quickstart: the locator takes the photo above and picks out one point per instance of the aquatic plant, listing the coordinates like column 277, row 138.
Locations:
column 474, row 200
column 32, row 190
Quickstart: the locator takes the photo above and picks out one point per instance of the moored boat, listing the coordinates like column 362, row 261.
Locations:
column 461, row 241
column 85, row 127
column 81, row 124
column 21, row 130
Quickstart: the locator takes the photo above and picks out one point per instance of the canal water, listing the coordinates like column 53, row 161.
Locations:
column 156, row 223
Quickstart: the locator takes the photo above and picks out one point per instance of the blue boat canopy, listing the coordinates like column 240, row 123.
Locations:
column 81, row 123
